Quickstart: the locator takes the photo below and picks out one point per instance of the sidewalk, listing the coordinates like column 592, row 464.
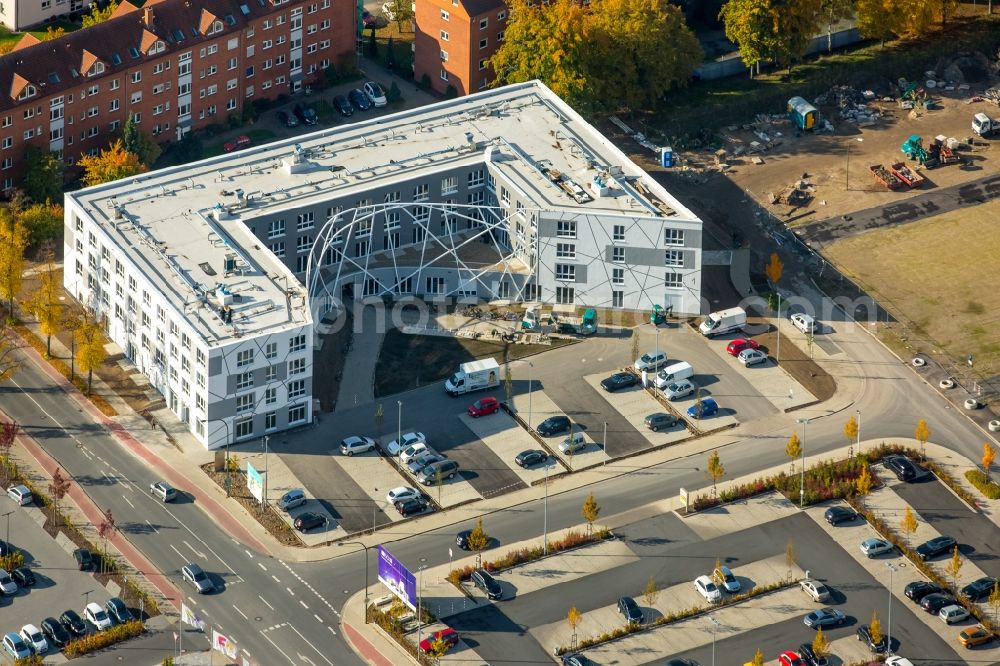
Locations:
column 359, row 366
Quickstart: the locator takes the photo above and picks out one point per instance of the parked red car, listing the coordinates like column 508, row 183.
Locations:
column 239, row 143
column 448, row 635
column 739, row 344
column 483, row 406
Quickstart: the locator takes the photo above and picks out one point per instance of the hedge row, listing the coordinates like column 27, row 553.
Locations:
column 986, row 486
column 103, row 639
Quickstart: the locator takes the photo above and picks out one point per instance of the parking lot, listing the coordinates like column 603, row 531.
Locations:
column 60, row 584
column 353, row 490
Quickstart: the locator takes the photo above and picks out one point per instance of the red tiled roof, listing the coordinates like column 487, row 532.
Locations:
column 27, row 39
column 55, row 65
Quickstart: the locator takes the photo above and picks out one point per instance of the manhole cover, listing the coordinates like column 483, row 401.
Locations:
column 258, row 618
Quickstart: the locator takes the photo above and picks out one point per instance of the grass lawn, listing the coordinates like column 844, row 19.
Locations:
column 934, row 276
column 411, row 361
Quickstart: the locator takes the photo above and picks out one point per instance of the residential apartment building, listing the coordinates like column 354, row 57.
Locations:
column 177, row 65
column 21, row 14
column 454, row 40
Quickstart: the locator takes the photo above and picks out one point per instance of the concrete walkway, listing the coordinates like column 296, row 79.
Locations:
column 357, row 384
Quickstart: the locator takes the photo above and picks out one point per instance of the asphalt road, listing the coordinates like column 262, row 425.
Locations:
column 976, row 534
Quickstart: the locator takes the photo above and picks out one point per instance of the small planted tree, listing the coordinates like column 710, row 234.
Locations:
column 989, row 455
column 573, row 618
column 908, row 525
column 478, row 541
column 851, row 433
column 591, row 510
column 58, row 488
column 954, row 565
column 651, row 593
column 994, row 601
column 758, row 658
column 875, row 629
column 8, row 433
column 790, row 557
column 635, row 345
column 106, row 529
column 922, row 433
column 863, row 484
column 820, row 645
column 508, row 384
column 715, row 470
column 793, row 449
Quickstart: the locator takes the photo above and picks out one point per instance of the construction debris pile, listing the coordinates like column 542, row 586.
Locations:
column 854, row 106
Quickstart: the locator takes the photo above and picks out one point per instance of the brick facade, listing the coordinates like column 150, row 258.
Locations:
column 453, row 41
column 177, row 65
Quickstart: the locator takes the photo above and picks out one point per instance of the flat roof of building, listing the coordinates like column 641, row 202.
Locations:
column 182, row 223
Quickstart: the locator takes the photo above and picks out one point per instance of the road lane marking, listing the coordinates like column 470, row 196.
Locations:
column 129, row 503
column 197, row 552
column 318, row 618
column 306, row 641
column 303, row 604
column 261, row 565
column 290, row 591
column 152, row 527
column 240, row 612
column 331, row 630
column 249, row 554
column 179, row 554
column 277, row 648
column 275, row 579
column 265, row 602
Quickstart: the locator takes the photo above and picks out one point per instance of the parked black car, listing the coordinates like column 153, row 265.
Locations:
column 411, row 506
column 979, row 588
column 531, row 457
column 287, row 119
column 482, row 579
column 359, row 99
column 343, row 106
column 808, row 656
column 902, row 467
column 23, row 576
column 936, row 546
column 865, row 636
column 934, row 602
column 553, row 426
column 73, row 623
column 308, row 520
column 618, row 381
column 839, row 514
column 55, row 632
column 118, row 611
column 306, row 114
column 84, row 559
column 919, row 589
column 5, row 548
column 630, row 610
column 660, row 421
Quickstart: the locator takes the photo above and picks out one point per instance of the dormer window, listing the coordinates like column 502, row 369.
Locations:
column 97, row 68
column 157, row 47
column 28, row 92
column 215, row 27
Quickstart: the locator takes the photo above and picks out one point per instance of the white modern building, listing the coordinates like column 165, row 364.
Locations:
column 502, row 195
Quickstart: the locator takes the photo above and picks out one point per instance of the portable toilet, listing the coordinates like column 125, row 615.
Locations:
column 803, row 115
column 666, row 157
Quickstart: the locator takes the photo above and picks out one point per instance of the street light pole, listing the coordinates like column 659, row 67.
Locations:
column 888, row 640
column 777, row 353
column 715, row 625
column 399, row 423
column 420, row 590
column 266, row 440
column 802, row 472
column 530, row 373
column 7, row 516
column 858, row 412
column 545, row 512
column 358, row 543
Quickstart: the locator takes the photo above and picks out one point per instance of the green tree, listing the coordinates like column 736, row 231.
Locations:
column 44, row 303
column 715, row 469
column 43, row 178
column 820, row 646
column 98, row 15
column 42, row 221
column 994, row 601
column 773, row 29
column 13, row 240
column 639, row 50
column 546, row 42
column 878, row 19
column 394, row 94
column 916, row 17
column 909, row 523
column 106, row 529
column 90, row 352
column 591, row 510
column 111, row 164
column 137, row 142
column 400, row 11
column 793, row 449
column 9, row 344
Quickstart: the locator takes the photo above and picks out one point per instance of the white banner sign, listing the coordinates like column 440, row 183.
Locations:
column 255, row 483
column 188, row 617
column 222, row 644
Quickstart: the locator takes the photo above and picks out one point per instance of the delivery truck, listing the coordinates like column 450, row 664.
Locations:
column 723, row 321
column 983, row 125
column 474, row 376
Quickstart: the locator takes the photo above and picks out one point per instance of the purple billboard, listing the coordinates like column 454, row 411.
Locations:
column 397, row 578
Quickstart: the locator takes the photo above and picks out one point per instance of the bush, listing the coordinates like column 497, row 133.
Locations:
column 425, row 82
column 234, row 120
column 450, row 92
column 33, row 660
column 987, row 487
column 393, row 95
column 523, row 555
column 12, row 561
column 103, row 639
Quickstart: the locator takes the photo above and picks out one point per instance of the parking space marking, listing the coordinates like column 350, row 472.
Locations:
column 275, row 579
column 635, row 404
column 261, row 565
column 240, row 612
column 290, row 591
column 303, row 604
column 265, row 602
column 128, row 502
column 318, row 618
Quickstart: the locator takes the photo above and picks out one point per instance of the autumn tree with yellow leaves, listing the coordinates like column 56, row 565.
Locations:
column 111, row 164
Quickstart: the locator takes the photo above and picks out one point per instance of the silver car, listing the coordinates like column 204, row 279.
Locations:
column 678, row 389
column 573, row 443
column 422, row 461
column 194, row 575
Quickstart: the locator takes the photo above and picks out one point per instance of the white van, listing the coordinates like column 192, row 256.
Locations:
column 20, row 494
column 672, row 373
column 723, row 321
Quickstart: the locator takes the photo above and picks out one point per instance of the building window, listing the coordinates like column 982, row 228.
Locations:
column 444, row 36
column 444, row 15
column 303, row 244
column 278, row 249
column 296, row 389
column 435, row 285
column 673, row 258
column 271, row 421
column 618, row 233
column 421, row 192
column 449, row 185
column 673, row 281
column 244, row 428
column 244, row 357
column 297, row 343
column 271, row 350
column 566, row 272
column 245, row 403
column 566, row 229
column 443, row 75
column 305, row 221
column 673, row 237
column 270, row 396
column 276, row 229
column 296, row 414
column 617, row 276
column 477, row 178
column 244, row 381
column 617, row 299
column 296, row 366
column 483, row 43
column 564, row 295
column 618, row 255
column 482, row 65
column 565, row 251
column 484, row 23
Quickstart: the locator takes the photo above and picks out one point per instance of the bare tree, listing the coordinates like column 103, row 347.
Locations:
column 58, row 489
column 106, row 530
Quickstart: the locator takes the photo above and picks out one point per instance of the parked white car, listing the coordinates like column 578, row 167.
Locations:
column 94, row 614
column 952, row 614
column 803, row 322
column 650, row 361
column 356, row 444
column 33, row 636
column 374, row 92
column 408, row 439
column 816, row 590
column 573, row 443
column 412, row 451
column 679, row 389
column 750, row 357
column 401, row 494
column 708, row 589
column 7, row 584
